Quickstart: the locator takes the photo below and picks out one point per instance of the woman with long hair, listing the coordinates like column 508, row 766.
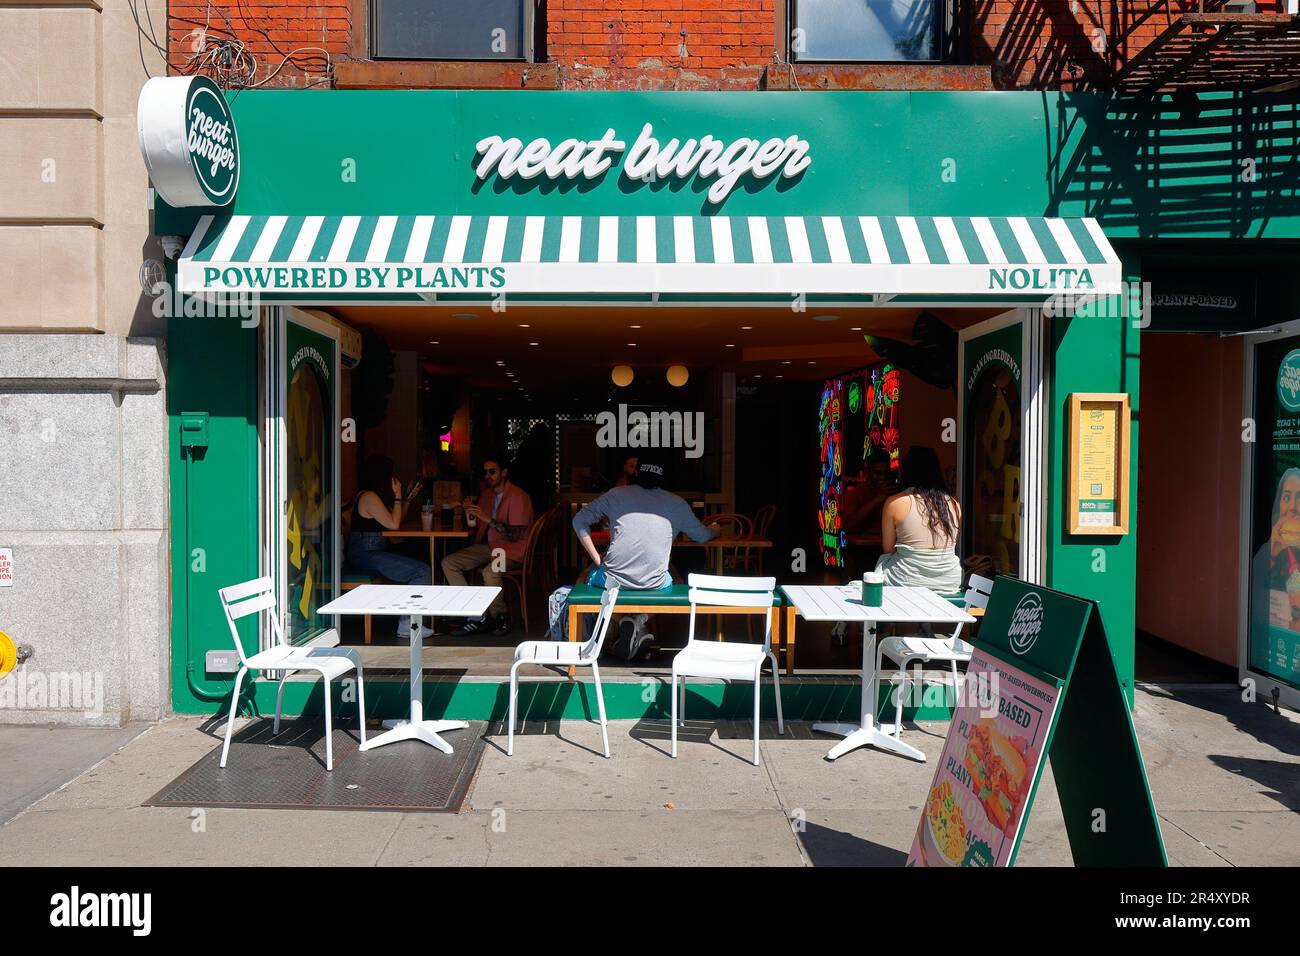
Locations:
column 379, row 507
column 919, row 527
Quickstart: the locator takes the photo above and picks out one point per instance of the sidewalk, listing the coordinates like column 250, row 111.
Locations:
column 1226, row 778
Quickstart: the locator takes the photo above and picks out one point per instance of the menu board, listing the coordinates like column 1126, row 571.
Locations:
column 1041, row 685
column 1099, row 463
column 990, row 760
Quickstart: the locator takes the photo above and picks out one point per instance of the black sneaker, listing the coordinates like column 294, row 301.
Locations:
column 478, row 625
column 643, row 645
column 502, row 625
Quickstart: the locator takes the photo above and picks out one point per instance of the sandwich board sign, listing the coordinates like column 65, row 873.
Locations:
column 1047, row 690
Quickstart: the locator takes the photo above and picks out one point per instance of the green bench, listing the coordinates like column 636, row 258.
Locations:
column 585, row 599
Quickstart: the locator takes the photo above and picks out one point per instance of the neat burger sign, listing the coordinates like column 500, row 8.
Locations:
column 188, row 139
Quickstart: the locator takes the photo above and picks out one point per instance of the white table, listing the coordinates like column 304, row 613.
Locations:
column 414, row 601
column 901, row 605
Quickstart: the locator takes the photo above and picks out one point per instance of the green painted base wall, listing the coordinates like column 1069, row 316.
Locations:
column 1095, row 354
column 575, row 700
column 211, row 367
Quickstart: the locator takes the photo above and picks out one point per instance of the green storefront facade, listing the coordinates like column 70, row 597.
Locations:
column 378, row 154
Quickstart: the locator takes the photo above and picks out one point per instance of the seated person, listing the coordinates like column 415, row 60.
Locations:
column 919, row 527
column 380, row 506
column 502, row 516
column 644, row 519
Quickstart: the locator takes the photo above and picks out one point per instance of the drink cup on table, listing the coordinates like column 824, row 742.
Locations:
column 873, row 589
column 470, row 520
column 426, row 517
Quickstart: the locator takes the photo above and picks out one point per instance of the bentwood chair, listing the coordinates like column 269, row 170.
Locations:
column 926, row 649
column 715, row 660
column 253, row 597
column 763, row 519
column 565, row 654
column 538, row 558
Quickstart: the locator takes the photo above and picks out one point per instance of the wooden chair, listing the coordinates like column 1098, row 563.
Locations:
column 763, row 519
column 537, row 561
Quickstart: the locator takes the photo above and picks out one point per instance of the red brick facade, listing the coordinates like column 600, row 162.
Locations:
column 671, row 44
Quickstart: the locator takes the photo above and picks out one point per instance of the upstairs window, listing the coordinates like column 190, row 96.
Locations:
column 848, row 31
column 452, row 29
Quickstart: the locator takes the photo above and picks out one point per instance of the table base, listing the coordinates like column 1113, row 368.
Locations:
column 866, row 735
column 425, row 731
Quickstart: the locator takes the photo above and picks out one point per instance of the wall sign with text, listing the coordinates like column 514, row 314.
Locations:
column 1098, row 488
column 188, row 140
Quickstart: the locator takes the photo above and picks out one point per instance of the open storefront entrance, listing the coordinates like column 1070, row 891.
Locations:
column 809, row 323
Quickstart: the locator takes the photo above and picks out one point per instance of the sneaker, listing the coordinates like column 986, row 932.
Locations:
column 478, row 625
column 502, row 625
column 642, row 646
column 621, row 646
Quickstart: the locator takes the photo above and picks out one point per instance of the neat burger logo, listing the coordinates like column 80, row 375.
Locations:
column 1288, row 381
column 1026, row 623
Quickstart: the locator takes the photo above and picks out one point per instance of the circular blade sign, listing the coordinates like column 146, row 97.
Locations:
column 188, row 139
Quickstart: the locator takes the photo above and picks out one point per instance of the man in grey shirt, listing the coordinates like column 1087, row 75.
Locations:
column 643, row 521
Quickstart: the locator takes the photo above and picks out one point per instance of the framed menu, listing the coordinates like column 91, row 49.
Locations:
column 1098, row 487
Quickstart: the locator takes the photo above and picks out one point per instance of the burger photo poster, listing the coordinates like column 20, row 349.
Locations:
column 990, row 760
column 1274, row 644
column 1041, row 684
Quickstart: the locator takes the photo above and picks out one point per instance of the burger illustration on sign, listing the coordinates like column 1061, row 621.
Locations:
column 188, row 140
column 1026, row 623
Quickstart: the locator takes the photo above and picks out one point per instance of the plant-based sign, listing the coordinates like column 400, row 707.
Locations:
column 649, row 160
column 188, row 139
column 1045, row 657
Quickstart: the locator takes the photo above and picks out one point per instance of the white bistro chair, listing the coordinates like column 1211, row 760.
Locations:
column 727, row 661
column 253, row 597
column 925, row 649
column 568, row 654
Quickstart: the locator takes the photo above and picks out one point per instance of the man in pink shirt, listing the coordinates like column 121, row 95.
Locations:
column 502, row 517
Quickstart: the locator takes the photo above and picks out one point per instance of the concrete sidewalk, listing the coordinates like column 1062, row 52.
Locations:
column 1226, row 778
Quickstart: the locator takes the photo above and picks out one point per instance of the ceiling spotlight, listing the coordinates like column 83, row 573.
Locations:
column 463, row 315
column 622, row 375
column 534, row 343
column 678, row 375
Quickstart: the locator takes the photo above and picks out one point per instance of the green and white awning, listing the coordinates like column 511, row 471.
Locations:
column 347, row 258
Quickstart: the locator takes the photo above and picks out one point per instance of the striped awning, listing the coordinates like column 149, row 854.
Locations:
column 346, row 258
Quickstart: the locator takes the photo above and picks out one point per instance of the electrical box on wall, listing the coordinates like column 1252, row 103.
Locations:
column 221, row 662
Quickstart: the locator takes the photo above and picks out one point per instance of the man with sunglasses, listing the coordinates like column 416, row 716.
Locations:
column 502, row 516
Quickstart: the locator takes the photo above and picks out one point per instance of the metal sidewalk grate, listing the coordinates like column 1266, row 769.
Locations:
column 288, row 772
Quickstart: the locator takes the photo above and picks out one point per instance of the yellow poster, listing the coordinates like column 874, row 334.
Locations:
column 1098, row 465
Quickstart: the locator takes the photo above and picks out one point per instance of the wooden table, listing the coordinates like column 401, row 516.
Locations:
column 415, row 601
column 720, row 546
column 435, row 534
column 911, row 605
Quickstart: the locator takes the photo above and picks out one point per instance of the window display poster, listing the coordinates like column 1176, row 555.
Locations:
column 1273, row 638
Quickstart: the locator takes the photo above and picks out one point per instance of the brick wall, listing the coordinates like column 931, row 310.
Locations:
column 279, row 43
column 630, row 44
column 677, row 44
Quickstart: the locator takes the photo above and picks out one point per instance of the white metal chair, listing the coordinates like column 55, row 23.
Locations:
column 727, row 661
column 253, row 597
column 924, row 649
column 568, row 654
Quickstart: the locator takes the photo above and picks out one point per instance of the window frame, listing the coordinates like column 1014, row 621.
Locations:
column 944, row 28
column 370, row 44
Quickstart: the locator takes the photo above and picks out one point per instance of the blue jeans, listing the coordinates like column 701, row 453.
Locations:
column 368, row 551
column 597, row 579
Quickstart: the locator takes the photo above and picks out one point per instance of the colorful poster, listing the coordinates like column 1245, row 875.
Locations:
column 977, row 801
column 1274, row 626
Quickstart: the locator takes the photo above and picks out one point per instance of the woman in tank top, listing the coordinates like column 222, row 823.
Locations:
column 919, row 527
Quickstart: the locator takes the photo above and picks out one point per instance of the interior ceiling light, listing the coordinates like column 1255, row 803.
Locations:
column 622, row 375
column 678, row 375
column 464, row 315
column 826, row 318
